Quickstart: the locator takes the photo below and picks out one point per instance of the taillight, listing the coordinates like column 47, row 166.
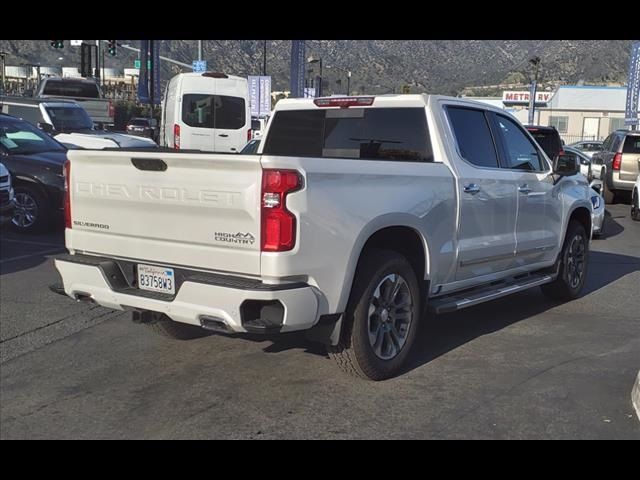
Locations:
column 249, row 135
column 344, row 102
column 112, row 109
column 67, row 194
column 278, row 224
column 176, row 136
column 617, row 161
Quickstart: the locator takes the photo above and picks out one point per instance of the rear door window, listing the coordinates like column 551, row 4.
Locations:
column 398, row 134
column 631, row 144
column 473, row 136
column 213, row 111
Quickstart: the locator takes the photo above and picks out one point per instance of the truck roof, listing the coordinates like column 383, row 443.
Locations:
column 387, row 100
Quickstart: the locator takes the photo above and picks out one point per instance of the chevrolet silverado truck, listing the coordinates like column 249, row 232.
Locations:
column 85, row 92
column 356, row 215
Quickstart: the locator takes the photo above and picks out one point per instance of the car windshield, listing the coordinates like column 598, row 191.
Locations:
column 549, row 140
column 70, row 119
column 139, row 122
column 19, row 137
column 251, row 148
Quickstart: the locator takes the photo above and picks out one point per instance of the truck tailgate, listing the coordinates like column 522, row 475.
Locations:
column 185, row 209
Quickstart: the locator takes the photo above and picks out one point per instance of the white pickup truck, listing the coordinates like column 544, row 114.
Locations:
column 355, row 215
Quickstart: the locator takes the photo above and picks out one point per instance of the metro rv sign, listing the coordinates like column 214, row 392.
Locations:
column 522, row 98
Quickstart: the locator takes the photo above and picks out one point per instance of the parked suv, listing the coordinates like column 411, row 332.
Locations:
column 548, row 138
column 355, row 214
column 617, row 164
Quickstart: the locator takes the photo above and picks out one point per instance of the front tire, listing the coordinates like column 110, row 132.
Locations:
column 574, row 259
column 635, row 206
column 381, row 321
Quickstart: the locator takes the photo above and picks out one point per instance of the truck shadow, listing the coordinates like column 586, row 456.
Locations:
column 611, row 227
column 443, row 333
column 440, row 334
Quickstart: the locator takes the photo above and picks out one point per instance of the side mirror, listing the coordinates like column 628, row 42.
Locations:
column 566, row 165
column 45, row 127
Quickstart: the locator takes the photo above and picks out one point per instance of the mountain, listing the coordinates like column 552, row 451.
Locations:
column 379, row 66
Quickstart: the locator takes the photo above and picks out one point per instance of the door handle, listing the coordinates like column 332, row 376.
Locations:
column 472, row 188
column 223, row 135
column 524, row 189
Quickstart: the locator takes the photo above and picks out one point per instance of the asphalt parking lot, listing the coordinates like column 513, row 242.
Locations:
column 520, row 367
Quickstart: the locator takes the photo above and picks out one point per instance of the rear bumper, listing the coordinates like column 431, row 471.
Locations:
column 616, row 183
column 200, row 298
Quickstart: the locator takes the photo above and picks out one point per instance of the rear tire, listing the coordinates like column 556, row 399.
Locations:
column 32, row 213
column 635, row 206
column 382, row 317
column 608, row 195
column 178, row 331
column 574, row 259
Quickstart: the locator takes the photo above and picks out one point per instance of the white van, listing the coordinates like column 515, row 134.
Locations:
column 206, row 111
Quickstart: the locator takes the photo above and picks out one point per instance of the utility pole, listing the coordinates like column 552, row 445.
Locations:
column 532, row 93
column 98, row 52
column 199, row 49
column 264, row 58
column 2, row 65
column 348, row 81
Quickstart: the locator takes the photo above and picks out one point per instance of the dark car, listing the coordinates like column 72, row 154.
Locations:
column 251, row 148
column 548, row 138
column 144, row 127
column 35, row 161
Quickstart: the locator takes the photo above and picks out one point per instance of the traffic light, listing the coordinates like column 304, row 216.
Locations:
column 57, row 43
column 111, row 47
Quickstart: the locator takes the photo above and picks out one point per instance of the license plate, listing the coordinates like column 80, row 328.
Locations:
column 156, row 279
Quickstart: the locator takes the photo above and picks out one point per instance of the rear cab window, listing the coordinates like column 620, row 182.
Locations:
column 398, row 134
column 68, row 88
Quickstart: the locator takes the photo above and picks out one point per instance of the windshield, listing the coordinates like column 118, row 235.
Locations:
column 139, row 122
column 549, row 141
column 70, row 88
column 19, row 137
column 67, row 119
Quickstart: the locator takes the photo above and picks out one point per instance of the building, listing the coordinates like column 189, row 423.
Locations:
column 584, row 112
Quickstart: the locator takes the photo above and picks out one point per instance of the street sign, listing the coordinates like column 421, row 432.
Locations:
column 136, row 64
column 633, row 87
column 75, row 43
column 297, row 68
column 260, row 95
column 199, row 65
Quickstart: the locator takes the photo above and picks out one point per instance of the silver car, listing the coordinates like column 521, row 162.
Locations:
column 598, row 213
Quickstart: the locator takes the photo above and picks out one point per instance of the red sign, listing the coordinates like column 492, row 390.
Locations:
column 523, row 97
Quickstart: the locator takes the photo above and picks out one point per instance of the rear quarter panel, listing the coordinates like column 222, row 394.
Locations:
column 344, row 202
